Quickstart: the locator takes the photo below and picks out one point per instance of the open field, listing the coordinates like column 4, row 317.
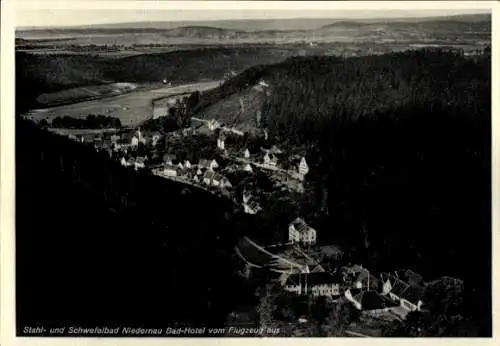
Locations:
column 84, row 93
column 132, row 108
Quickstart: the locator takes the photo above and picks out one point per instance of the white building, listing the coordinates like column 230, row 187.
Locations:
column 208, row 164
column 213, row 124
column 170, row 170
column 303, row 167
column 134, row 143
column 409, row 296
column 220, row 142
column 246, row 167
column 300, row 232
column 139, row 163
column 270, row 159
column 320, row 284
column 156, row 137
column 211, row 178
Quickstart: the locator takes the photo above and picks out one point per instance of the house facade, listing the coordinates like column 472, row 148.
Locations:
column 215, row 179
column 300, row 232
column 208, row 164
column 321, row 284
column 154, row 140
column 303, row 167
column 140, row 162
column 270, row 159
column 250, row 205
column 213, row 124
column 134, row 142
column 170, row 170
column 168, row 159
column 409, row 296
column 246, row 167
column 220, row 142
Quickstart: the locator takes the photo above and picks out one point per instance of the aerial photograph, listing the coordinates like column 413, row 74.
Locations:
column 253, row 173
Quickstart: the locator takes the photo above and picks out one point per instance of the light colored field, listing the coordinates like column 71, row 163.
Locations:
column 85, row 93
column 229, row 111
column 132, row 108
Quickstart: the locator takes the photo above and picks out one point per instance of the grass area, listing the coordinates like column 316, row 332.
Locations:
column 84, row 93
column 132, row 108
column 229, row 111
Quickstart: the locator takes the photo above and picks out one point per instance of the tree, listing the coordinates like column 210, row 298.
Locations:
column 339, row 318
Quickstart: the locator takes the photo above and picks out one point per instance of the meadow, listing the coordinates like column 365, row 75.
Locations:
column 132, row 108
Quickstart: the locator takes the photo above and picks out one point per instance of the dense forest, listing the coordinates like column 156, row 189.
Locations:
column 101, row 244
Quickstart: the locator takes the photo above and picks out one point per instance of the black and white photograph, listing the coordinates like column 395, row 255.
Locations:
column 269, row 170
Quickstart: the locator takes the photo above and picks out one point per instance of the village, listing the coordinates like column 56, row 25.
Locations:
column 304, row 268
column 300, row 266
column 221, row 169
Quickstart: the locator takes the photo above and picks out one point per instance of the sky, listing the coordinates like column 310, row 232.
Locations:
column 93, row 13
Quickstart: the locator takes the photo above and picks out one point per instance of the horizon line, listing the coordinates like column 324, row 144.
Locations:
column 82, row 26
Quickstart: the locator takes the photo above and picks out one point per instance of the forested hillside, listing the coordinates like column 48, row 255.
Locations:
column 97, row 243
column 399, row 147
column 48, row 73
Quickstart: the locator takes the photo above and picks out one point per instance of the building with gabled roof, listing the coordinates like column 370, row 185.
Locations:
column 303, row 167
column 250, row 205
column 408, row 295
column 246, row 167
column 131, row 161
column 300, row 232
column 221, row 141
column 171, row 170
column 115, row 138
column 169, row 158
column 409, row 276
column 317, row 284
column 212, row 178
column 368, row 300
column 140, row 162
column 208, row 164
column 270, row 159
column 366, row 280
column 213, row 124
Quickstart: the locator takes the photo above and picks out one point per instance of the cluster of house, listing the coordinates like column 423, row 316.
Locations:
column 302, row 274
column 205, row 172
column 390, row 292
column 365, row 291
column 269, row 159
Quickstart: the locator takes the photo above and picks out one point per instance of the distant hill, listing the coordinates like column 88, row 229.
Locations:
column 290, row 24
column 37, row 74
column 264, row 30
